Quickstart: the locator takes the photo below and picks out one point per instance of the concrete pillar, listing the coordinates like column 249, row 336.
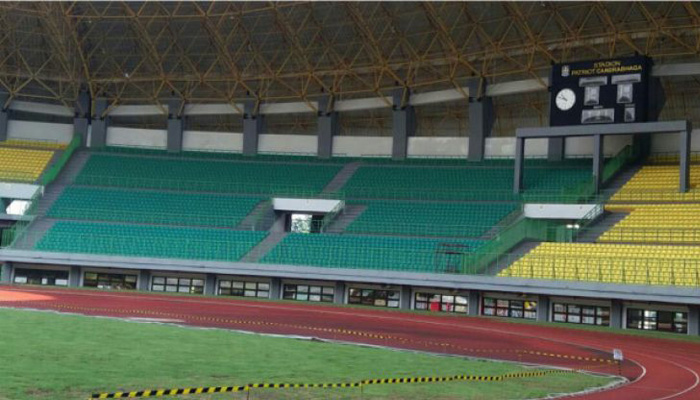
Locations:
column 339, row 293
column 144, row 282
column 616, row 314
column 556, row 149
column 542, row 308
column 4, row 114
column 684, row 147
column 598, row 161
column 405, row 300
column 100, row 123
column 252, row 128
column 693, row 320
column 74, row 276
column 81, row 116
column 6, row 272
column 175, row 126
column 481, row 119
column 519, row 164
column 210, row 285
column 275, row 288
column 404, row 123
column 474, row 305
column 327, row 127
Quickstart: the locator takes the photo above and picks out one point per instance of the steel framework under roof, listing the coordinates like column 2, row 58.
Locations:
column 143, row 52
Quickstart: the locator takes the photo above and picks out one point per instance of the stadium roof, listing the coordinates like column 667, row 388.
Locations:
column 143, row 52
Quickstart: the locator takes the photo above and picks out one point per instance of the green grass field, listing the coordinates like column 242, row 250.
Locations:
column 53, row 356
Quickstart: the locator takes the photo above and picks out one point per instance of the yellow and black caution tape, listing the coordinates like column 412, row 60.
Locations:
column 381, row 381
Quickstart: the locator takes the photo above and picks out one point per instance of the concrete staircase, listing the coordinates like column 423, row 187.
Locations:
column 345, row 218
column 267, row 244
column 622, row 177
column 260, row 219
column 515, row 254
column 36, row 231
column 593, row 232
column 341, row 178
column 73, row 168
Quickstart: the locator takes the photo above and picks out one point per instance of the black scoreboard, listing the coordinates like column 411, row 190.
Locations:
column 600, row 92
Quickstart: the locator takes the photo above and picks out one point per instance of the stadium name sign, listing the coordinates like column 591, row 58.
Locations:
column 601, row 91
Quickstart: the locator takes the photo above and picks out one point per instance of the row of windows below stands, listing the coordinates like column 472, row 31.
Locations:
column 642, row 319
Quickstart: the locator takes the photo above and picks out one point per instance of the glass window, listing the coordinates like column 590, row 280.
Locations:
column 580, row 314
column 41, row 277
column 244, row 288
column 666, row 321
column 173, row 284
column 309, row 293
column 440, row 303
column 109, row 281
column 374, row 297
column 509, row 308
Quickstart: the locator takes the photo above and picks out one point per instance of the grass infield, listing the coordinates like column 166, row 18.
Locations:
column 55, row 356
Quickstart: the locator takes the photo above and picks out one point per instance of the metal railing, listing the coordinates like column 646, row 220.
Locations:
column 676, row 235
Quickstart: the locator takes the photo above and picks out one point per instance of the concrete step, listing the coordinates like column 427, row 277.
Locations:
column 73, row 167
column 50, row 196
column 345, row 218
column 267, row 244
column 35, row 231
column 260, row 218
column 341, row 178
column 592, row 232
column 515, row 254
column 622, row 177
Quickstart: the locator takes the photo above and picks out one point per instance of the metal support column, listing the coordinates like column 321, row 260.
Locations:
column 480, row 125
column 81, row 117
column 100, row 123
column 543, row 308
column 404, row 123
column 74, row 276
column 144, row 280
column 6, row 272
column 252, row 128
column 4, row 114
column 598, row 161
column 693, row 320
column 684, row 148
column 339, row 293
column 556, row 149
column 327, row 127
column 473, row 304
column 175, row 126
column 519, row 163
column 210, row 285
column 616, row 314
column 275, row 288
column 405, row 300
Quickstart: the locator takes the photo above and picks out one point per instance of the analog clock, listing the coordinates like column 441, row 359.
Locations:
column 565, row 99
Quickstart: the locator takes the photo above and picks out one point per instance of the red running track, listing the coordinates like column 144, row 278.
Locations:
column 658, row 369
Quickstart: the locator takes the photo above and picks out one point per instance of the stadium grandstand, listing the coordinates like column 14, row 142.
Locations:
column 517, row 161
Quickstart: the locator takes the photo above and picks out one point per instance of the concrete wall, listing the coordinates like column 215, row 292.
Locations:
column 438, row 146
column 287, row 144
column 134, row 137
column 53, row 132
column 357, row 146
column 213, row 141
column 669, row 142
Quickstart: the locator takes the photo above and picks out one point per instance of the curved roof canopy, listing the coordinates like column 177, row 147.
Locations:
column 143, row 52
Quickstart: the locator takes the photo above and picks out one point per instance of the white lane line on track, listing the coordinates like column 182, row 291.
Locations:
column 386, row 317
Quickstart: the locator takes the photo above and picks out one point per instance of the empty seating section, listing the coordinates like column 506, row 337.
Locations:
column 205, row 175
column 146, row 206
column 658, row 183
column 371, row 252
column 658, row 223
column 455, row 183
column 430, row 218
column 37, row 144
column 149, row 241
column 23, row 165
column 612, row 263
